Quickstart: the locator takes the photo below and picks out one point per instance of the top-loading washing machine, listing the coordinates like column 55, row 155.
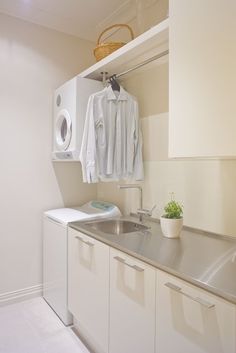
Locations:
column 70, row 105
column 55, row 233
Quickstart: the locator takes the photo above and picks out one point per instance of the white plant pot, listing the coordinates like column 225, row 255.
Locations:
column 171, row 227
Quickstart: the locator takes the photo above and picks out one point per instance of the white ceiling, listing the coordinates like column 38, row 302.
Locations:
column 81, row 18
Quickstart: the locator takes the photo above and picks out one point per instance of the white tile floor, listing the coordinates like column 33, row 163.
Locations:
column 32, row 327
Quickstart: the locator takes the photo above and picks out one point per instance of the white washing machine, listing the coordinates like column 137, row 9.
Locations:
column 55, row 232
column 70, row 105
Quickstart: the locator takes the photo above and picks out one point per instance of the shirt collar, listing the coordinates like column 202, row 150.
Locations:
column 123, row 95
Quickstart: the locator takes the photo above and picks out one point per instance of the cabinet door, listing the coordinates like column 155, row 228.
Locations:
column 132, row 305
column 202, row 78
column 88, row 288
column 192, row 320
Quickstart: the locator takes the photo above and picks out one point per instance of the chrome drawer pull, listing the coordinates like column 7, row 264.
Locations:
column 200, row 301
column 135, row 267
column 84, row 241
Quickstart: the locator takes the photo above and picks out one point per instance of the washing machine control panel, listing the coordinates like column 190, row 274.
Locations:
column 104, row 206
column 100, row 209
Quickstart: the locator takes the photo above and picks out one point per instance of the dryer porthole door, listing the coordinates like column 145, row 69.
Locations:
column 63, row 130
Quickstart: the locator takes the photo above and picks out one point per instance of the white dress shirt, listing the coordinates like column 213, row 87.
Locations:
column 112, row 141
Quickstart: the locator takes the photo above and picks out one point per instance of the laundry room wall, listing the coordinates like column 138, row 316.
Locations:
column 206, row 188
column 33, row 62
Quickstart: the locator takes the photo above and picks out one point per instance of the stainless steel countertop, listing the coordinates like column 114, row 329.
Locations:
column 201, row 258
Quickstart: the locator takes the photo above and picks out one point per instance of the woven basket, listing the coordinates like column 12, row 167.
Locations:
column 104, row 49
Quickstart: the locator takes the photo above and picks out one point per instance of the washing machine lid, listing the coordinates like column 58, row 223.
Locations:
column 63, row 130
column 65, row 215
column 90, row 210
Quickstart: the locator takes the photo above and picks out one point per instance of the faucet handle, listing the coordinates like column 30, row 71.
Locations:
column 146, row 212
column 153, row 208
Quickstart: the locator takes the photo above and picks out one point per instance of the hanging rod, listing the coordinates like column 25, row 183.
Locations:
column 155, row 57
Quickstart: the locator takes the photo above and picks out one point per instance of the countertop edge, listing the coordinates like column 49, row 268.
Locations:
column 156, row 265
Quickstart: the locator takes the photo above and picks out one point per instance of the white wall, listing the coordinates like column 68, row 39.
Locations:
column 206, row 188
column 33, row 62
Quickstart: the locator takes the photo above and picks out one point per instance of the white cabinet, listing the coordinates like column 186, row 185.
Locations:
column 123, row 305
column 88, row 288
column 189, row 319
column 202, row 42
column 132, row 305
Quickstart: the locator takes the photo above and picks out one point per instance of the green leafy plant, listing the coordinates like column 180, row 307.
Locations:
column 173, row 209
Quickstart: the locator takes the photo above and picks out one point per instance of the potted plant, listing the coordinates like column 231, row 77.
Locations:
column 172, row 219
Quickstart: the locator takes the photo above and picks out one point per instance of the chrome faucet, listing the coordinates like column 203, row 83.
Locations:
column 141, row 211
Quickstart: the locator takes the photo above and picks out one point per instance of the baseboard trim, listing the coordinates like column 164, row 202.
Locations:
column 21, row 294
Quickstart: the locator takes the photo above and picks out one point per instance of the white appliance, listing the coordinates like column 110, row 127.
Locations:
column 70, row 105
column 55, row 229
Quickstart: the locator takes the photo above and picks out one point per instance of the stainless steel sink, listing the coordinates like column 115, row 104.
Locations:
column 116, row 227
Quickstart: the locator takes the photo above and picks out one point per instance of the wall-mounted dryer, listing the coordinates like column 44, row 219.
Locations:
column 70, row 104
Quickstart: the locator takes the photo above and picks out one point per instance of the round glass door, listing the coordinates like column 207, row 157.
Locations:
column 63, row 130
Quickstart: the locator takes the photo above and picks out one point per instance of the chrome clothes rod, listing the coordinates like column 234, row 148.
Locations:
column 153, row 58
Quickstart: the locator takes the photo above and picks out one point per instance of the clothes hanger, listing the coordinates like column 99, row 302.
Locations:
column 114, row 84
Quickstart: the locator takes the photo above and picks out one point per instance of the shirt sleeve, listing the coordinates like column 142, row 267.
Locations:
column 88, row 146
column 138, row 144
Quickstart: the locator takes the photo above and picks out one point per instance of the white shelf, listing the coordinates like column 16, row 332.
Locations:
column 152, row 42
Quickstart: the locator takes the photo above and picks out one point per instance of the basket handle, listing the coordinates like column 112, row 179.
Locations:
column 116, row 25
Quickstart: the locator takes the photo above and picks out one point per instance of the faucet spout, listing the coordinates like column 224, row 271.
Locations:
column 135, row 186
column 141, row 212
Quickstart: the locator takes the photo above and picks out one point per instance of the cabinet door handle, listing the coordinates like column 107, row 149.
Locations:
column 200, row 301
column 135, row 267
column 84, row 241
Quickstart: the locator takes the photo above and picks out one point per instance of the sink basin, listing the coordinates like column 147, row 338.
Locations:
column 116, row 227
